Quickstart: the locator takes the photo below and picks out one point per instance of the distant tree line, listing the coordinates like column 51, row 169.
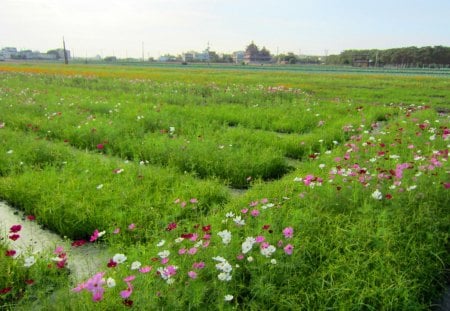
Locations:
column 437, row 56
column 291, row 58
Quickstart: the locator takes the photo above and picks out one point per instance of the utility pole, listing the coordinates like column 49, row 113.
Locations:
column 66, row 59
column 143, row 51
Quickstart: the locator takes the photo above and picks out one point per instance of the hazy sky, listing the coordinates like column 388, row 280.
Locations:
column 112, row 27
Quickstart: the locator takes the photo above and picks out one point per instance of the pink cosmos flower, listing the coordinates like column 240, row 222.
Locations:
column 94, row 236
column 169, row 271
column 265, row 245
column 58, row 250
column 129, row 278
column 95, row 286
column 182, row 251
column 192, row 274
column 164, row 260
column 131, row 226
column 255, row 213
column 288, row 232
column 192, row 251
column 244, row 210
column 205, row 244
column 194, row 237
column 240, row 256
column 193, row 201
column 259, row 239
column 253, row 203
column 127, row 292
column 288, row 249
column 264, row 201
column 198, row 265
column 145, row 269
column 116, row 231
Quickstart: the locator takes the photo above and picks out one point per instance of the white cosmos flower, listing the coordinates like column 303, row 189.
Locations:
column 377, row 195
column 164, row 254
column 239, row 221
column 161, row 243
column 110, row 282
column 225, row 235
column 229, row 215
column 228, row 297
column 119, row 258
column 224, row 277
column 268, row 251
column 219, row 258
column 135, row 265
column 29, row 261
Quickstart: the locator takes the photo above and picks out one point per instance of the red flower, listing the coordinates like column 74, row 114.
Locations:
column 171, row 226
column 29, row 282
column 10, row 253
column 31, row 217
column 111, row 264
column 447, row 185
column 266, row 227
column 15, row 228
column 187, row 235
column 100, row 146
column 14, row 237
column 388, row 196
column 128, row 302
column 78, row 243
column 206, row 228
column 61, row 264
column 5, row 290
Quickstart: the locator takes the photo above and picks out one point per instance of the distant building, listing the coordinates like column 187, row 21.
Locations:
column 8, row 52
column 188, row 57
column 167, row 58
column 238, row 57
column 202, row 57
column 254, row 55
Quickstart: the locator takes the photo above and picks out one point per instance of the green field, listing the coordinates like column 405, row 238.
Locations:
column 271, row 189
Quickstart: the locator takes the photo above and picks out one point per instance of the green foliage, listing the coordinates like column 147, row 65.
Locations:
column 356, row 166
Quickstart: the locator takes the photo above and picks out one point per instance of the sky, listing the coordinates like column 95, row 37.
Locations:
column 126, row 28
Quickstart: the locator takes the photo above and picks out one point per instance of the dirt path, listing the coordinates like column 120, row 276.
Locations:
column 82, row 261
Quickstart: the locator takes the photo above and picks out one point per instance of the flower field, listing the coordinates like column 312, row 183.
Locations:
column 226, row 189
